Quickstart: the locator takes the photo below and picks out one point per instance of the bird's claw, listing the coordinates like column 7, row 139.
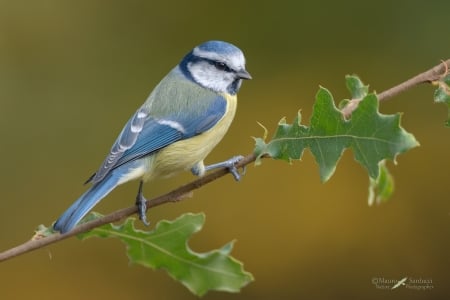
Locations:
column 230, row 164
column 141, row 204
column 232, row 167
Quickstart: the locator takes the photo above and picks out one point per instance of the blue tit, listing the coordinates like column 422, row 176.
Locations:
column 182, row 120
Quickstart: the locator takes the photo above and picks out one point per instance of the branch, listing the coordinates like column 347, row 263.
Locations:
column 180, row 193
column 429, row 76
column 173, row 196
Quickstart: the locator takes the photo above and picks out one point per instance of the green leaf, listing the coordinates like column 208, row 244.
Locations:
column 166, row 247
column 372, row 136
column 381, row 189
column 356, row 87
column 442, row 94
column 42, row 232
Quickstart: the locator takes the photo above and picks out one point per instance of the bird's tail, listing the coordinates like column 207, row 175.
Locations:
column 85, row 203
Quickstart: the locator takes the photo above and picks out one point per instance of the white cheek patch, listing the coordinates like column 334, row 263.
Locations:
column 209, row 77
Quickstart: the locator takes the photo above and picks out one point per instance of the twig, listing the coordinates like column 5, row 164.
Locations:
column 429, row 76
column 178, row 194
column 173, row 196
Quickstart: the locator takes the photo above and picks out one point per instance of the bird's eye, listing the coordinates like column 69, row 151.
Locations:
column 221, row 66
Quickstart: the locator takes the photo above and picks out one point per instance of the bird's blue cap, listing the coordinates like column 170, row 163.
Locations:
column 218, row 47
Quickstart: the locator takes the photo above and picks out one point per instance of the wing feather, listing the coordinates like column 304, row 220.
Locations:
column 144, row 133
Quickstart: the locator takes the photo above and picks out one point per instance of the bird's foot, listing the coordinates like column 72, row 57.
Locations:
column 230, row 164
column 141, row 204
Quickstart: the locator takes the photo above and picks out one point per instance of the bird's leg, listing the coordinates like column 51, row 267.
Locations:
column 141, row 203
column 230, row 165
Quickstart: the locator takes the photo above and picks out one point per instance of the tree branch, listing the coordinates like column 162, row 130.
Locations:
column 180, row 193
column 430, row 76
column 173, row 196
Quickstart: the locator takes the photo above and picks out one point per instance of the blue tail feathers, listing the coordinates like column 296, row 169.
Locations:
column 85, row 203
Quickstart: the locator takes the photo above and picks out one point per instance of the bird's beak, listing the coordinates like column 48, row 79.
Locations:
column 243, row 74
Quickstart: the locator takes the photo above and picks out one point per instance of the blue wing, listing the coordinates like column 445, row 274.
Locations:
column 144, row 134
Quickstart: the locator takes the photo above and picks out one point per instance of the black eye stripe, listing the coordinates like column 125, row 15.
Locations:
column 220, row 65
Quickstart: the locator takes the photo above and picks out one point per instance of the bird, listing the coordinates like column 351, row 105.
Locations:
column 182, row 120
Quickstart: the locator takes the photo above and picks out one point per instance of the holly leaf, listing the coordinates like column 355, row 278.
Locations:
column 442, row 94
column 166, row 247
column 373, row 137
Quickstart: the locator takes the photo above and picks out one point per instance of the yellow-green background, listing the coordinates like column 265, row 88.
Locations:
column 72, row 72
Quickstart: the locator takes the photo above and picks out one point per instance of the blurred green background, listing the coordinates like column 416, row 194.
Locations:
column 72, row 72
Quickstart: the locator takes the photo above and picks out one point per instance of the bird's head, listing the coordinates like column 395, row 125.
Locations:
column 216, row 65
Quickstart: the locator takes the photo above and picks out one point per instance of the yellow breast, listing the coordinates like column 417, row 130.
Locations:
column 183, row 155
